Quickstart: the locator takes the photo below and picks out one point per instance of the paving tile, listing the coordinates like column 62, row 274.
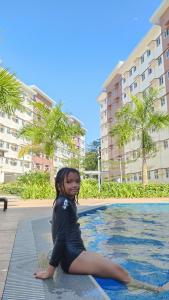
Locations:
column 4, row 264
column 3, row 274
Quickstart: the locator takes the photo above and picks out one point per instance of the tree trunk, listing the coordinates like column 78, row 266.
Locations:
column 144, row 170
column 52, row 179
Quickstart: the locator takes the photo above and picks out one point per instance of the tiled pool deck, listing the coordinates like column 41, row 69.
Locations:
column 32, row 211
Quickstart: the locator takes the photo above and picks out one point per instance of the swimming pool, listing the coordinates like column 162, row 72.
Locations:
column 136, row 236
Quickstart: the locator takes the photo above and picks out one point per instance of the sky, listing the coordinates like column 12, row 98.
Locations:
column 68, row 48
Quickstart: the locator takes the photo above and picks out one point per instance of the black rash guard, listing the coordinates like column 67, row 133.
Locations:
column 66, row 233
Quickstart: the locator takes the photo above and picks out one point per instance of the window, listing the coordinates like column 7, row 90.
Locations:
column 167, row 54
column 142, row 59
column 130, row 72
column 13, row 163
column 14, row 147
column 14, row 133
column 135, row 84
column 156, row 174
column 168, row 75
column 159, row 60
column 162, row 101
column 15, row 119
column 140, row 176
column 148, row 53
column 29, row 113
column 165, row 144
column 167, row 172
column 143, row 76
column 135, row 177
column 149, row 174
column 161, row 80
column 37, row 166
column 2, row 129
column 158, row 41
column 1, row 144
column 26, row 165
column 166, row 33
column 134, row 69
column 149, row 71
column 2, row 114
column 131, row 88
column 124, row 95
column 123, row 80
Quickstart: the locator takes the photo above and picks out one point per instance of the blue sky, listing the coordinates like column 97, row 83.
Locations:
column 68, row 48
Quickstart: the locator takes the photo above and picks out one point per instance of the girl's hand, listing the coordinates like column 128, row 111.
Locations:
column 42, row 275
column 45, row 274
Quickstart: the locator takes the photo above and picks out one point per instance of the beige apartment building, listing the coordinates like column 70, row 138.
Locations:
column 11, row 166
column 147, row 65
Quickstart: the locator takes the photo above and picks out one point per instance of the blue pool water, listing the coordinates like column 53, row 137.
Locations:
column 136, row 236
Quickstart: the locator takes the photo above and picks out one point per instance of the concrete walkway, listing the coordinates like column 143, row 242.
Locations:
column 23, row 210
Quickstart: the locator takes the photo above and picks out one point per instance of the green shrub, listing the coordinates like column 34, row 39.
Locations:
column 33, row 178
column 89, row 189
column 11, row 188
column 36, row 185
column 36, row 191
column 123, row 190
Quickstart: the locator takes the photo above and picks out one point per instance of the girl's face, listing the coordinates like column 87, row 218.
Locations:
column 71, row 185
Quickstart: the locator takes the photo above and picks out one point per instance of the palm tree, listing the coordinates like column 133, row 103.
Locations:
column 138, row 118
column 10, row 92
column 50, row 126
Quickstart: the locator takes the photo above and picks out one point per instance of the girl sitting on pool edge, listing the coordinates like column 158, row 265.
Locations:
column 69, row 250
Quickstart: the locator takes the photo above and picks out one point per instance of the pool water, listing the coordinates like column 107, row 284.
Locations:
column 136, row 236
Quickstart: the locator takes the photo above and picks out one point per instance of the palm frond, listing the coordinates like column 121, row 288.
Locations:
column 10, row 92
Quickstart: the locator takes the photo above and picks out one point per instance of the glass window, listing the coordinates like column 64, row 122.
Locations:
column 166, row 33
column 158, row 41
column 2, row 128
column 142, row 59
column 148, row 52
column 165, row 144
column 167, row 53
column 167, row 172
column 159, row 60
column 156, row 174
column 135, row 84
column 161, row 80
column 162, row 101
column 2, row 114
column 143, row 76
column 135, row 177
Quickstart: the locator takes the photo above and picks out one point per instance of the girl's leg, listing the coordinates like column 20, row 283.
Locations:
column 94, row 264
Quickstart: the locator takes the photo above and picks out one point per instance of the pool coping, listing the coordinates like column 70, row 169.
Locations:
column 20, row 281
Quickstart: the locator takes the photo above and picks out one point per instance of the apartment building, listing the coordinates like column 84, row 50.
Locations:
column 40, row 161
column 11, row 166
column 147, row 65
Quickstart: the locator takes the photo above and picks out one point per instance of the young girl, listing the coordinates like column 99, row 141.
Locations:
column 69, row 249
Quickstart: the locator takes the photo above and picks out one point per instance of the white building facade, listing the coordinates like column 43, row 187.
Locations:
column 11, row 166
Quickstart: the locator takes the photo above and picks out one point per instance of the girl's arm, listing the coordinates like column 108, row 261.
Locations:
column 61, row 221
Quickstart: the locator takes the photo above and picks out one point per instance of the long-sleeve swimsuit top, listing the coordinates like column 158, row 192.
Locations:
column 66, row 233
